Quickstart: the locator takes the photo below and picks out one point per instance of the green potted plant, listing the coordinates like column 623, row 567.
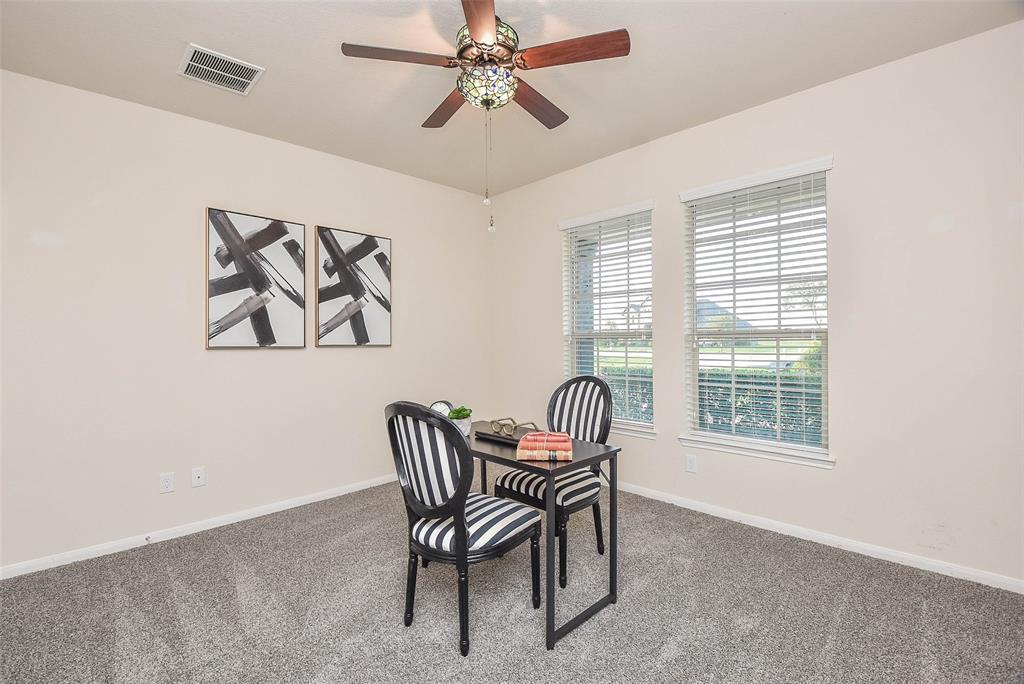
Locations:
column 461, row 417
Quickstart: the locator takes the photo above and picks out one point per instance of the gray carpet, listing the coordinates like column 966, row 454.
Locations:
column 315, row 594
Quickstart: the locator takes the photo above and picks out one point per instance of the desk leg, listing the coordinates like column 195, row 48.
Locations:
column 613, row 562
column 549, row 572
column 483, row 476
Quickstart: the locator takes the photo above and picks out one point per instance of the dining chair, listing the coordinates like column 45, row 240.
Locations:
column 448, row 523
column 582, row 407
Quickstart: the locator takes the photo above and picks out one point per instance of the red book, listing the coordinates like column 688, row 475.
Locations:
column 544, row 446
column 543, row 455
column 559, row 438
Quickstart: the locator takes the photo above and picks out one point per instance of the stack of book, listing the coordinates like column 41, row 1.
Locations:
column 544, row 446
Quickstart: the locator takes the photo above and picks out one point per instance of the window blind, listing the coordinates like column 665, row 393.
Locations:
column 607, row 284
column 756, row 313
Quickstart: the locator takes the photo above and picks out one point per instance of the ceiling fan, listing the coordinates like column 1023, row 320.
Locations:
column 488, row 52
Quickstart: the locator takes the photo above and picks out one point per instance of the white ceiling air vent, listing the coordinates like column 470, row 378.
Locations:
column 219, row 70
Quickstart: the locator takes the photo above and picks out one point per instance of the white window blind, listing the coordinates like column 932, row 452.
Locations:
column 607, row 282
column 756, row 313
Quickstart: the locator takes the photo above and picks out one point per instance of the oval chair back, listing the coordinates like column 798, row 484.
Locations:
column 434, row 464
column 582, row 407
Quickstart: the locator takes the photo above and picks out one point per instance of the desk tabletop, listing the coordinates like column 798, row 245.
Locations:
column 584, row 454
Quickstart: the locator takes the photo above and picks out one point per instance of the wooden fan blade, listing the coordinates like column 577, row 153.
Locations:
column 445, row 110
column 369, row 52
column 539, row 106
column 584, row 49
column 480, row 19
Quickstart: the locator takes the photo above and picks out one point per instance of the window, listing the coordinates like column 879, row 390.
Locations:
column 607, row 311
column 757, row 315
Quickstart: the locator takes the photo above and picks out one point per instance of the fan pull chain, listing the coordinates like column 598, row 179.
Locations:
column 487, row 157
column 487, row 166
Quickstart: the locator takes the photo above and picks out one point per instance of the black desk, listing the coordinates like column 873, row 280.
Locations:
column 584, row 455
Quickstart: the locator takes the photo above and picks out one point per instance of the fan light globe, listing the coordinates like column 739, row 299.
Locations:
column 505, row 35
column 487, row 86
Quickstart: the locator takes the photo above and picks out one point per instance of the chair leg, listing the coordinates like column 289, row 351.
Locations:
column 425, row 561
column 563, row 533
column 499, row 492
column 464, row 610
column 410, row 588
column 597, row 526
column 535, row 566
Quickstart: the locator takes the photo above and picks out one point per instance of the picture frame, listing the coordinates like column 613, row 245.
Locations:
column 353, row 302
column 255, row 281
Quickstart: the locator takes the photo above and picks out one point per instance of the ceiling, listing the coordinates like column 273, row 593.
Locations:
column 691, row 62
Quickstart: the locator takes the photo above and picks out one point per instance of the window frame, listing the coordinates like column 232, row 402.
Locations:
column 620, row 426
column 776, row 450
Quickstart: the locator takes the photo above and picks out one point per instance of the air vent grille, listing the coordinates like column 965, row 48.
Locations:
column 219, row 70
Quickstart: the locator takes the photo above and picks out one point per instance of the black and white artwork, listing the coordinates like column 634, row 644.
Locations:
column 256, row 281
column 353, row 289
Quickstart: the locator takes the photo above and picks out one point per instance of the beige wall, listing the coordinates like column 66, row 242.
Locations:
column 926, row 300
column 106, row 382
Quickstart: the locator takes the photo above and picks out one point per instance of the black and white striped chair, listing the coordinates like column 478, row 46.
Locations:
column 444, row 407
column 582, row 407
column 447, row 523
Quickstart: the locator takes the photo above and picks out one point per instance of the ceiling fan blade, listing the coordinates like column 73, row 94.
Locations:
column 584, row 49
column 445, row 110
column 539, row 106
column 480, row 19
column 369, row 52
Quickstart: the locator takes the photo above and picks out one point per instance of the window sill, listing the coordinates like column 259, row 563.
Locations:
column 631, row 429
column 808, row 456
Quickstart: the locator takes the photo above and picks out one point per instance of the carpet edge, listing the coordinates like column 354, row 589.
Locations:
column 134, row 541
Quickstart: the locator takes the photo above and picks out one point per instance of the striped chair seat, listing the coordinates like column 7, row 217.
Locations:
column 489, row 522
column 571, row 488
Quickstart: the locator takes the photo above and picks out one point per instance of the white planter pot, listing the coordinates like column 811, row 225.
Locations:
column 464, row 424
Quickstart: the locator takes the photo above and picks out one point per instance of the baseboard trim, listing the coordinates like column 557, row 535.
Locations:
column 34, row 565
column 921, row 562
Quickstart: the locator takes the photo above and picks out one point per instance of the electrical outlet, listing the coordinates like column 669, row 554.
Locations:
column 166, row 483
column 199, row 476
column 691, row 463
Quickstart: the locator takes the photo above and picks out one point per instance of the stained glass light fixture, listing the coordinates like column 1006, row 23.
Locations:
column 487, row 86
column 506, row 36
column 484, row 82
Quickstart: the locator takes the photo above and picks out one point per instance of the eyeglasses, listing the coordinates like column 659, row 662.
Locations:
column 508, row 426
